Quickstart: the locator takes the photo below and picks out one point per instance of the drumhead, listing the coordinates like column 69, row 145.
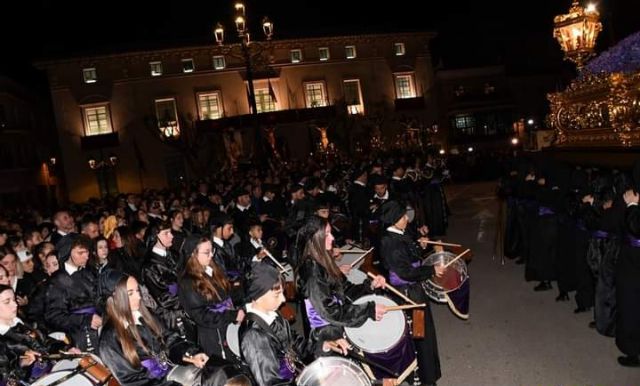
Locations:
column 356, row 276
column 233, row 340
column 76, row 380
column 72, row 363
column 333, row 371
column 288, row 274
column 378, row 336
column 454, row 276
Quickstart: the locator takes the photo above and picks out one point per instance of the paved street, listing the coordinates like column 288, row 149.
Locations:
column 515, row 336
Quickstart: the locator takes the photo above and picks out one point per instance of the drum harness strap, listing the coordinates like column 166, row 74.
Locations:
column 79, row 369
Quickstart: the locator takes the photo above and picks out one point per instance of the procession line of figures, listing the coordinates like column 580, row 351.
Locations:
column 202, row 308
column 581, row 228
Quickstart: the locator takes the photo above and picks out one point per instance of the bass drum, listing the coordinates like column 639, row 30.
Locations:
column 333, row 371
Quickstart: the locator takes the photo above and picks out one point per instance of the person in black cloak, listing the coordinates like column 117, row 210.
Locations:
column 628, row 280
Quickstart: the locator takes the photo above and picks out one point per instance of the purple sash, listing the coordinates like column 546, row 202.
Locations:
column 395, row 280
column 89, row 310
column 545, row 211
column 600, row 235
column 223, row 306
column 285, row 372
column 633, row 241
column 155, row 369
column 40, row 368
column 315, row 320
column 173, row 289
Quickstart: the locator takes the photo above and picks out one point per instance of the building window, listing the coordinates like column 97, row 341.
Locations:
column 156, row 68
column 353, row 96
column 398, row 49
column 350, row 52
column 89, row 75
column 219, row 62
column 315, row 94
column 405, row 87
column 167, row 116
column 187, row 65
column 264, row 100
column 296, row 56
column 210, row 105
column 465, row 124
column 97, row 120
column 323, row 53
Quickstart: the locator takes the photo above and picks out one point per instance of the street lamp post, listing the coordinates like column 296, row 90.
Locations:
column 245, row 42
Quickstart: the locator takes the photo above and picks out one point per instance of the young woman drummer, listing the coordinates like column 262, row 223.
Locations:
column 204, row 294
column 326, row 291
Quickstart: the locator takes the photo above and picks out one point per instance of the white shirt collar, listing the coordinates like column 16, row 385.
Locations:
column 4, row 328
column 266, row 199
column 332, row 189
column 358, row 182
column 154, row 215
column 70, row 268
column 159, row 251
column 268, row 317
column 256, row 243
column 61, row 232
column 242, row 208
column 393, row 229
column 132, row 207
column 218, row 241
column 385, row 197
column 208, row 270
column 396, row 178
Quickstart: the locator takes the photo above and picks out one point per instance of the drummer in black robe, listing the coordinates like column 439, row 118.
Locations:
column 403, row 260
column 325, row 290
column 140, row 351
column 271, row 348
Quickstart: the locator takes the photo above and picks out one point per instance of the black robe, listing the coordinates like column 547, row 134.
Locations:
column 211, row 317
column 69, row 302
column 541, row 262
column 21, row 338
column 333, row 300
column 160, row 276
column 263, row 350
column 628, row 288
column 174, row 349
column 359, row 197
column 400, row 252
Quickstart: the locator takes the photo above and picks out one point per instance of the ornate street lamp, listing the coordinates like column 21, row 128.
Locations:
column 577, row 31
column 245, row 43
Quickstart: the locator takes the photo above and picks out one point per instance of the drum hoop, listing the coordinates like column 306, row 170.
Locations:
column 377, row 351
column 62, row 373
column 231, row 327
column 347, row 363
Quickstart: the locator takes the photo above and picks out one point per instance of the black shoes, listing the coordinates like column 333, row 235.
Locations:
column 543, row 286
column 592, row 324
column 629, row 361
column 562, row 297
column 581, row 309
column 520, row 261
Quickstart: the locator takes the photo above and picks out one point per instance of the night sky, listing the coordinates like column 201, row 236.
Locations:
column 471, row 33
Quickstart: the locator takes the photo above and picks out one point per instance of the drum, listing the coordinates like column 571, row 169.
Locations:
column 387, row 341
column 79, row 379
column 453, row 287
column 72, row 363
column 356, row 276
column 185, row 375
column 333, row 371
column 233, row 338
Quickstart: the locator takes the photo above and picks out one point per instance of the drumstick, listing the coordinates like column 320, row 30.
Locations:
column 442, row 244
column 269, row 255
column 405, row 307
column 407, row 372
column 359, row 259
column 395, row 291
column 456, row 258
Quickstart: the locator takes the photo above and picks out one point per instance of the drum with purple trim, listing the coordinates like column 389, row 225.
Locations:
column 453, row 287
column 386, row 341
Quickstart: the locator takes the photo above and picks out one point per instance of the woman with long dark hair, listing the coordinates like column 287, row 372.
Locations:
column 326, row 291
column 204, row 294
column 133, row 344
